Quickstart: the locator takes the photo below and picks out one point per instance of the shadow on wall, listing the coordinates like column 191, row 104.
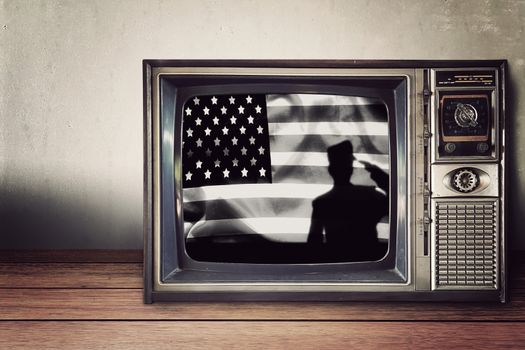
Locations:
column 49, row 221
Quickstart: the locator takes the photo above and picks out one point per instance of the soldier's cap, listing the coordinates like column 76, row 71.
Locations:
column 340, row 153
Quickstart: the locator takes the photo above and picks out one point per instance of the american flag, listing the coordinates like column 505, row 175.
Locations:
column 253, row 163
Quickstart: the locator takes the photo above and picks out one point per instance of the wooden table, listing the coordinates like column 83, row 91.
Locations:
column 93, row 300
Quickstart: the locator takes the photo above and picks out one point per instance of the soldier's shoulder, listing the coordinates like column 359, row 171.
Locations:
column 369, row 191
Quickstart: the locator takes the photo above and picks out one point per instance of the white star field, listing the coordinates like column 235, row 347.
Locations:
column 225, row 140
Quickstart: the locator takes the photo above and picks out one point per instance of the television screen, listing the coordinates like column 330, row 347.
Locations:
column 285, row 178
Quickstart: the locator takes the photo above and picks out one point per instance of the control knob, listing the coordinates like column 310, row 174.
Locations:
column 466, row 115
column 465, row 180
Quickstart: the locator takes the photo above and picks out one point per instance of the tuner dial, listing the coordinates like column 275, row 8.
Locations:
column 465, row 180
column 466, row 115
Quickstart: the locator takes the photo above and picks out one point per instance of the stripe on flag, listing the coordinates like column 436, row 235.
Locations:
column 271, row 226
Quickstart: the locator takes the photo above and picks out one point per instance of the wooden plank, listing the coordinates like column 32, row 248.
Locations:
column 115, row 275
column 127, row 304
column 76, row 256
column 119, row 274
column 71, row 275
column 260, row 335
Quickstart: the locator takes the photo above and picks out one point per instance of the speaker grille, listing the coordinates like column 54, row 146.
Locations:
column 465, row 245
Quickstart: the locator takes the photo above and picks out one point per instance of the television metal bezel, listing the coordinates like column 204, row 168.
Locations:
column 159, row 275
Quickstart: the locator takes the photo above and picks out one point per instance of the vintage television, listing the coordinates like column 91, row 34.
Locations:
column 324, row 180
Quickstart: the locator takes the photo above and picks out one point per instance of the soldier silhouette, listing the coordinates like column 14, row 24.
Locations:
column 344, row 219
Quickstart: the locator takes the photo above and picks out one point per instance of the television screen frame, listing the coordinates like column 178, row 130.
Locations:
column 172, row 275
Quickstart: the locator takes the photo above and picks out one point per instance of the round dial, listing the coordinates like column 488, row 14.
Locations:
column 465, row 180
column 466, row 115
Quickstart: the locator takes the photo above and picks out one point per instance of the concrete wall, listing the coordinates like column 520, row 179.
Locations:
column 71, row 92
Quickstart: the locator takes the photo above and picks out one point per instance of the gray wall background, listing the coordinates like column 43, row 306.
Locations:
column 71, row 90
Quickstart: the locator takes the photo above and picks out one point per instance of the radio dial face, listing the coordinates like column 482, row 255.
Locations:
column 465, row 123
column 466, row 115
